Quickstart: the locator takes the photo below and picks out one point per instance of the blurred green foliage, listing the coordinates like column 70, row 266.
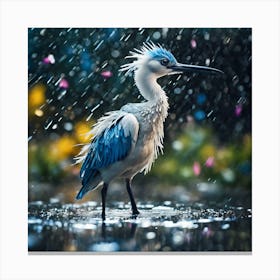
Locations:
column 196, row 153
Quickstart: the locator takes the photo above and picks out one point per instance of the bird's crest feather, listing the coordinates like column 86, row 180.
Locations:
column 148, row 50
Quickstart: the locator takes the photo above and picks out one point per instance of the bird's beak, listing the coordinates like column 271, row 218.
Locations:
column 179, row 67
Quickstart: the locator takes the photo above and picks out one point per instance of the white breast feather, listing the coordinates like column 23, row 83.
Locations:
column 157, row 118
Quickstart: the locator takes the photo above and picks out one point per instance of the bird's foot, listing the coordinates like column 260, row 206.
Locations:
column 135, row 213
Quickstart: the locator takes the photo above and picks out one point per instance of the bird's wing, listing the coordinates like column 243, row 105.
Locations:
column 114, row 136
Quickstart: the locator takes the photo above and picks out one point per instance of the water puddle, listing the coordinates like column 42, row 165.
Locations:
column 159, row 227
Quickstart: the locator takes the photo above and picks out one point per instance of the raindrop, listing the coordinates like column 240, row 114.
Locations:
column 164, row 32
column 177, row 90
column 83, row 94
column 112, row 33
column 179, row 77
column 89, row 117
column 127, row 37
column 43, row 31
column 98, row 46
column 240, row 87
column 235, row 80
column 206, row 36
column 226, row 40
column 190, row 91
column 68, row 126
column 94, row 108
column 156, row 35
column 116, row 97
column 62, row 94
column 104, row 64
column 210, row 113
column 49, row 80
column 58, row 81
column 48, row 125
column 115, row 53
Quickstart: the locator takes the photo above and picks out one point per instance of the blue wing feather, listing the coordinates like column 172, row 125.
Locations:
column 109, row 147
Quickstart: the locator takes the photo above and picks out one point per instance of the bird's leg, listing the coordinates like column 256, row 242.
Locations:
column 103, row 194
column 133, row 204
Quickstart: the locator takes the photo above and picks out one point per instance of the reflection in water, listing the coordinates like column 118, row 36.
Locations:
column 79, row 227
column 131, row 226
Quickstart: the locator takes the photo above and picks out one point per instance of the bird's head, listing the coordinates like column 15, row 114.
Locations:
column 160, row 62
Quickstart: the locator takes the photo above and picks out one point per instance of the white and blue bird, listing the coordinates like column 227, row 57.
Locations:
column 128, row 141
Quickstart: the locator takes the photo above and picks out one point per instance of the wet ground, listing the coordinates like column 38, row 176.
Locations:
column 165, row 226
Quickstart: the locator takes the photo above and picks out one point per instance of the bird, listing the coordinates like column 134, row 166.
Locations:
column 126, row 142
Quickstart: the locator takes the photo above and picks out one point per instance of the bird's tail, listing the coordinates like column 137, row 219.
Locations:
column 89, row 185
column 81, row 193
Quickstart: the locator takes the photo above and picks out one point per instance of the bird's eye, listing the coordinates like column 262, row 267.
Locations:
column 164, row 62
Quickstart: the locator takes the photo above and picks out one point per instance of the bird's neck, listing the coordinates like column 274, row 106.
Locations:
column 157, row 101
column 152, row 92
column 148, row 86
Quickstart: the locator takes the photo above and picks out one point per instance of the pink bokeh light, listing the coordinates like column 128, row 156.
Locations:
column 196, row 168
column 106, row 74
column 238, row 110
column 210, row 162
column 63, row 83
